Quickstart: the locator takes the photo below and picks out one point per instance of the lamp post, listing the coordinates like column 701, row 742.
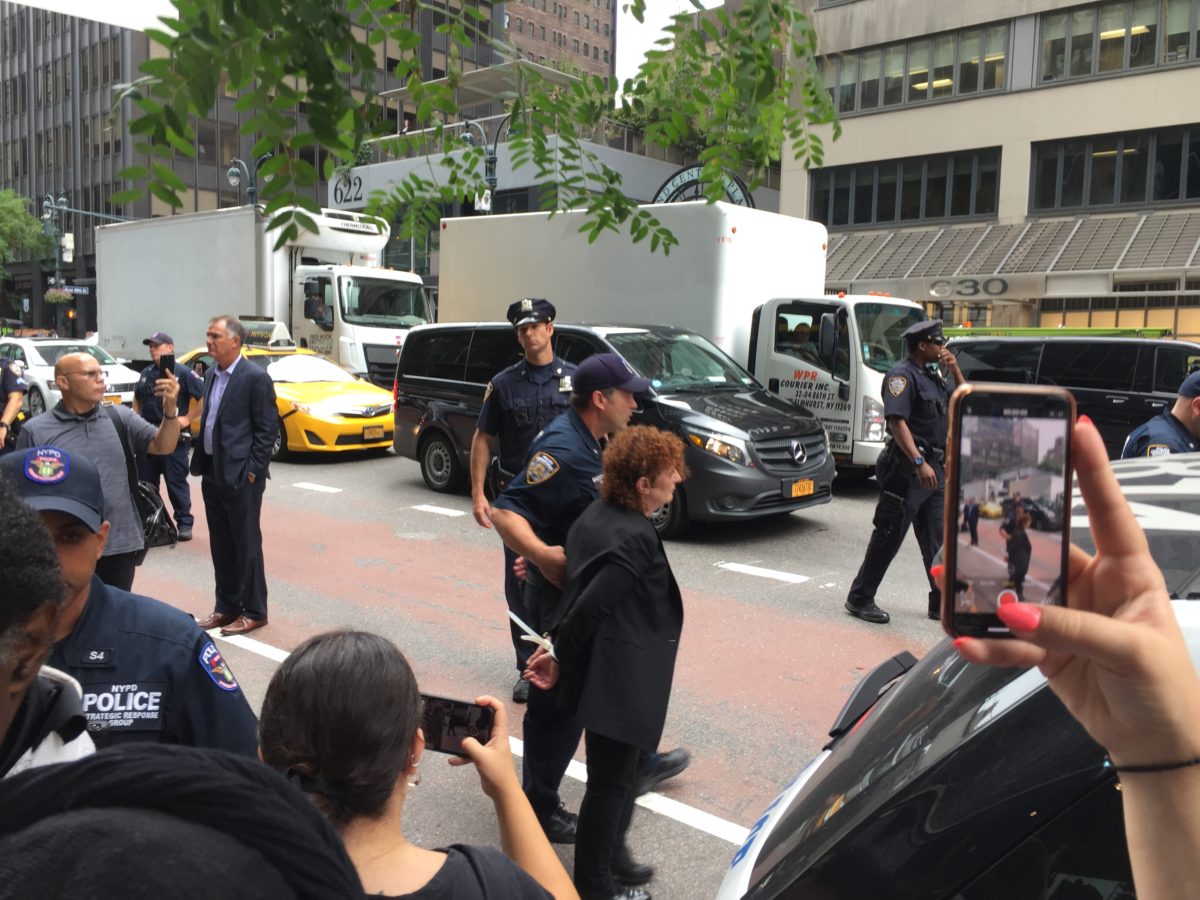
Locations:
column 489, row 159
column 239, row 170
column 51, row 210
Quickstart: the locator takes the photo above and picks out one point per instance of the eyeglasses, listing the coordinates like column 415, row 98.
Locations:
column 88, row 373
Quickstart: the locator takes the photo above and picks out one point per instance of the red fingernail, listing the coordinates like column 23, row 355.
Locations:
column 960, row 642
column 1020, row 616
column 1085, row 420
column 937, row 570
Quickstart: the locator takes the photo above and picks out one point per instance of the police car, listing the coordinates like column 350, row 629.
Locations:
column 38, row 356
column 943, row 779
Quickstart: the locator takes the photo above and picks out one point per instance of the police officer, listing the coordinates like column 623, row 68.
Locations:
column 173, row 467
column 910, row 470
column 533, row 515
column 519, row 402
column 147, row 670
column 12, row 395
column 1176, row 430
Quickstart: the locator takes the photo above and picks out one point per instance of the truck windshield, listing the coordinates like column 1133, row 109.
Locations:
column 678, row 360
column 881, row 328
column 381, row 303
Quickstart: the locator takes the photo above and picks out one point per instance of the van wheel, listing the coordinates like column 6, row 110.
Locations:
column 440, row 466
column 279, row 449
column 672, row 520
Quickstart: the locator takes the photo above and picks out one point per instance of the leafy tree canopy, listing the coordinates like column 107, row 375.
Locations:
column 19, row 230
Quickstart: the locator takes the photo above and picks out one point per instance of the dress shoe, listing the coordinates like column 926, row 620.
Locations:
column 935, row 614
column 662, row 766
column 185, row 532
column 630, row 873
column 243, row 625
column 560, row 826
column 868, row 612
column 521, row 691
column 216, row 620
column 630, row 893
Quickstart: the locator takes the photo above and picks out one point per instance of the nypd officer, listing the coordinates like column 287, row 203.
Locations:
column 173, row 467
column 1176, row 430
column 519, row 402
column 910, row 470
column 12, row 395
column 147, row 670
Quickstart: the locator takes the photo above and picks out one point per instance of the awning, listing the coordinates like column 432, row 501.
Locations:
column 480, row 87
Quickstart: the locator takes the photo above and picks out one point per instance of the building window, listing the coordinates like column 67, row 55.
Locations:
column 1116, row 37
column 917, row 189
column 1113, row 170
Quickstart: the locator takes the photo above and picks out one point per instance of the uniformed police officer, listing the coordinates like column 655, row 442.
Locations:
column 12, row 395
column 173, row 467
column 533, row 515
column 519, row 402
column 1176, row 430
column 147, row 670
column 910, row 470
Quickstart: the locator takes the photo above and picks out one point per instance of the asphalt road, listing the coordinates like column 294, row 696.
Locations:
column 767, row 655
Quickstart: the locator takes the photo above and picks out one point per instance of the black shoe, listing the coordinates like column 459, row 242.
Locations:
column 868, row 612
column 521, row 691
column 185, row 532
column 560, row 826
column 630, row 873
column 662, row 766
column 630, row 893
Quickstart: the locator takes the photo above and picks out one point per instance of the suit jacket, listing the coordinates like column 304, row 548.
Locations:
column 245, row 429
column 620, row 632
column 971, row 513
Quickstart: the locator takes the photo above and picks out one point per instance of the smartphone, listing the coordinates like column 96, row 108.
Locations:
column 166, row 364
column 446, row 722
column 1008, row 503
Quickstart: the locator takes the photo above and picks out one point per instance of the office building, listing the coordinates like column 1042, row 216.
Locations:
column 576, row 35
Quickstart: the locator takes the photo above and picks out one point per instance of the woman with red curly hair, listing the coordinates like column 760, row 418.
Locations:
column 616, row 644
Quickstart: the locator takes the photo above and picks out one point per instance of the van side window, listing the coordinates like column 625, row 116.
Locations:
column 797, row 329
column 573, row 348
column 1011, row 362
column 439, row 355
column 492, row 351
column 1095, row 365
column 1171, row 366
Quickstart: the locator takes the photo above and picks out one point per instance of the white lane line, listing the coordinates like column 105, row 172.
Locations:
column 439, row 510
column 319, row 488
column 672, row 809
column 789, row 577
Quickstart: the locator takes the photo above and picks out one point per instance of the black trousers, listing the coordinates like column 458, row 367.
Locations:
column 604, row 814
column 514, row 594
column 235, row 542
column 173, row 468
column 117, row 570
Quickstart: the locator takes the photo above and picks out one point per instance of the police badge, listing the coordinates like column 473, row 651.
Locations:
column 896, row 385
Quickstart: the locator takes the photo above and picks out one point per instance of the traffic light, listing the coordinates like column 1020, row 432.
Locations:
column 71, row 310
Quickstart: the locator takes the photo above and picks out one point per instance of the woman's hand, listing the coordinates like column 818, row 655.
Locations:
column 1116, row 657
column 493, row 759
column 541, row 670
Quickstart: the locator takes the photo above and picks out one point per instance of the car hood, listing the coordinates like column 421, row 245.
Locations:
column 749, row 413
column 336, row 397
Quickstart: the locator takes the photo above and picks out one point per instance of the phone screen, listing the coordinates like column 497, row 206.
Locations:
column 446, row 722
column 1008, row 500
column 166, row 363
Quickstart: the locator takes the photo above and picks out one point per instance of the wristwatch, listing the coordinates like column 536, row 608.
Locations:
column 918, row 460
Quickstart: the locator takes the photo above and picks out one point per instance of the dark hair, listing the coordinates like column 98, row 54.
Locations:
column 580, row 402
column 339, row 717
column 232, row 325
column 29, row 573
column 636, row 452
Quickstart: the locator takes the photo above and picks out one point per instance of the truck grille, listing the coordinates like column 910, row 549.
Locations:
column 778, row 455
column 119, row 388
column 381, row 363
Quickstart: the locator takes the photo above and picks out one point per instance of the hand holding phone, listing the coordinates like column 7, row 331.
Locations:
column 446, row 722
column 1008, row 503
column 166, row 365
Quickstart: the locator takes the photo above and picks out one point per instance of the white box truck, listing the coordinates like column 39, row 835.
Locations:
column 175, row 273
column 751, row 281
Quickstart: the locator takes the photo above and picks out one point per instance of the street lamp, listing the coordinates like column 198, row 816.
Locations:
column 239, row 170
column 51, row 210
column 489, row 159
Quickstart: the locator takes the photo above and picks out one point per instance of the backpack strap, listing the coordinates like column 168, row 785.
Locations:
column 123, row 434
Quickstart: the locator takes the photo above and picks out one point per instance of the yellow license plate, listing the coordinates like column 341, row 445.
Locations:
column 802, row 488
column 373, row 433
column 114, row 399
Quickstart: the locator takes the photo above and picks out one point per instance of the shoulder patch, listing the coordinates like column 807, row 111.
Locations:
column 897, row 385
column 1158, row 450
column 488, row 392
column 542, row 467
column 214, row 665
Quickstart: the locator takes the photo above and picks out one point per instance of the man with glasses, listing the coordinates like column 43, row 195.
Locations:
column 79, row 424
column 910, row 471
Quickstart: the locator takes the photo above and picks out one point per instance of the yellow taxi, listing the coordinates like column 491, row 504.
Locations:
column 322, row 407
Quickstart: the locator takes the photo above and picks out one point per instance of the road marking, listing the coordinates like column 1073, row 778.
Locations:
column 775, row 574
column 439, row 510
column 319, row 488
column 672, row 809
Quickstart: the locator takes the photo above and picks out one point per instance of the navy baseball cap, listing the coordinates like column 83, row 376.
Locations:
column 1191, row 386
column 159, row 337
column 51, row 479
column 530, row 310
column 607, row 370
column 927, row 330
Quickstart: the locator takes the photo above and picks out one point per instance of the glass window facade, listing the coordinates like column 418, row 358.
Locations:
column 1113, row 37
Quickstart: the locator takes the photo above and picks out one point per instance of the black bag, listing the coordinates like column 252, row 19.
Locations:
column 158, row 529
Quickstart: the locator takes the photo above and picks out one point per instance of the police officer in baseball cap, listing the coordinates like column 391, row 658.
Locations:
column 1175, row 430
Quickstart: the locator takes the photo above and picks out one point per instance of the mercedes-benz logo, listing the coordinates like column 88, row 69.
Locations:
column 799, row 454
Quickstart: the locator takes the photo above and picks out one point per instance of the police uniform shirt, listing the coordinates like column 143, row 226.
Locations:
column 12, row 381
column 191, row 387
column 1161, row 435
column 913, row 393
column 560, row 480
column 149, row 673
column 520, row 402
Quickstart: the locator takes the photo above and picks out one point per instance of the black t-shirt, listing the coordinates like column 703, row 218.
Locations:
column 477, row 873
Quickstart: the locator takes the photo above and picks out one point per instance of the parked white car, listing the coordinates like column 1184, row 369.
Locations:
column 38, row 355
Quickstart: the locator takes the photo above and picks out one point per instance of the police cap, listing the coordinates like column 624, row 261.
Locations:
column 927, row 330
column 530, row 310
column 51, row 479
column 1191, row 386
column 607, row 370
column 159, row 337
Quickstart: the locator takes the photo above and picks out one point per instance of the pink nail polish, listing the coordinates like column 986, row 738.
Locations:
column 1020, row 616
column 1086, row 420
column 937, row 570
column 961, row 642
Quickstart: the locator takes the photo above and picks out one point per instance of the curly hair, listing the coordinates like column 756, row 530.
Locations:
column 636, row 452
column 29, row 573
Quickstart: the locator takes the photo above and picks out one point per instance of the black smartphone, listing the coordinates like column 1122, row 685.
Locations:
column 446, row 722
column 1008, row 503
column 166, row 364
